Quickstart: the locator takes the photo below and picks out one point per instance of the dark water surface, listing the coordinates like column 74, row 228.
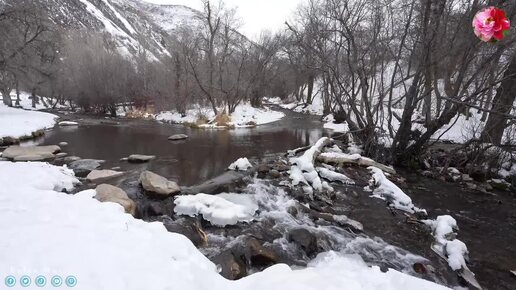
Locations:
column 206, row 154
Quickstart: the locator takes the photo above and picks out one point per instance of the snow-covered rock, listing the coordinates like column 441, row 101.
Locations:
column 331, row 125
column 242, row 164
column 139, row 158
column 178, row 137
column 220, row 210
column 68, row 124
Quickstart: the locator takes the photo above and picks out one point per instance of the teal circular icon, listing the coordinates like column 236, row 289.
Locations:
column 25, row 281
column 40, row 281
column 10, row 281
column 56, row 281
column 71, row 281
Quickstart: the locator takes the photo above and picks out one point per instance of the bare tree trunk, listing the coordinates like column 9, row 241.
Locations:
column 502, row 104
column 6, row 98
column 309, row 97
column 17, row 94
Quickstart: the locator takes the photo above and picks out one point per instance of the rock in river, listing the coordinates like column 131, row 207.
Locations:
column 98, row 175
column 109, row 193
column 31, row 153
column 138, row 158
column 178, row 137
column 305, row 239
column 152, row 182
column 84, row 166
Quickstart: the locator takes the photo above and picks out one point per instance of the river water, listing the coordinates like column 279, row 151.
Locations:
column 487, row 222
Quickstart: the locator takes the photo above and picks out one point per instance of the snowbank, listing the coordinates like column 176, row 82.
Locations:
column 46, row 232
column 17, row 123
column 220, row 210
column 331, row 125
column 245, row 116
column 242, row 164
column 385, row 189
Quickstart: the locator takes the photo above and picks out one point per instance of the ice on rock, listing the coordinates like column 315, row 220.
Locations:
column 242, row 164
column 220, row 210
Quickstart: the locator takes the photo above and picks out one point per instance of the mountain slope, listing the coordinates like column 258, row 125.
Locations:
column 133, row 24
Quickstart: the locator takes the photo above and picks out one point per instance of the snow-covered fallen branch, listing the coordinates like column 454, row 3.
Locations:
column 343, row 158
column 303, row 168
column 242, row 164
column 385, row 189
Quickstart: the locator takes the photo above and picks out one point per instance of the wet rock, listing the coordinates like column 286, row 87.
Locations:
column 155, row 209
column 230, row 267
column 70, row 159
column 305, row 240
column 31, row 153
column 274, row 174
column 466, row 178
column 281, row 167
column 84, row 166
column 63, row 144
column 262, row 170
column 259, row 256
column 99, row 175
column 190, row 228
column 110, row 193
column 419, row 268
column 226, row 182
column 61, row 155
column 138, row 158
column 154, row 183
column 41, row 157
column 499, row 184
column 178, row 137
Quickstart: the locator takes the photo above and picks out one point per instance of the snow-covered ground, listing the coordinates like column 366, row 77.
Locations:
column 47, row 232
column 244, row 116
column 18, row 122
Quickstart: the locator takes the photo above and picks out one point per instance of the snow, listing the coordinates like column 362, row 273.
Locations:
column 385, row 189
column 52, row 233
column 18, row 122
column 452, row 249
column 303, row 168
column 120, row 17
column 242, row 164
column 219, row 210
column 334, row 176
column 244, row 116
column 331, row 125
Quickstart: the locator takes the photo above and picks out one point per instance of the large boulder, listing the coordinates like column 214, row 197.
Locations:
column 31, row 153
column 98, row 175
column 138, row 158
column 110, row 193
column 178, row 137
column 157, row 184
column 83, row 167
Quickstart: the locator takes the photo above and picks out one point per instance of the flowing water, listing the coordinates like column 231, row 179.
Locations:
column 487, row 222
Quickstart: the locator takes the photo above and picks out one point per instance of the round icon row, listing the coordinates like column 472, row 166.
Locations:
column 41, row 281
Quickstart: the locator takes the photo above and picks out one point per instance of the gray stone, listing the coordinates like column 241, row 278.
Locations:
column 98, row 175
column 61, row 155
column 152, row 182
column 138, row 158
column 69, row 159
column 304, row 239
column 44, row 151
column 35, row 157
column 84, row 166
column 178, row 137
column 110, row 193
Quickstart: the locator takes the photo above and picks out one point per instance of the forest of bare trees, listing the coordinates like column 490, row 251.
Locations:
column 395, row 71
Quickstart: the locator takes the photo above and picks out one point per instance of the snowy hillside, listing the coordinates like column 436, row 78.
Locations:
column 132, row 23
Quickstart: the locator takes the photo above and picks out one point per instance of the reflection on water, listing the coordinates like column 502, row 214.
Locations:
column 204, row 155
